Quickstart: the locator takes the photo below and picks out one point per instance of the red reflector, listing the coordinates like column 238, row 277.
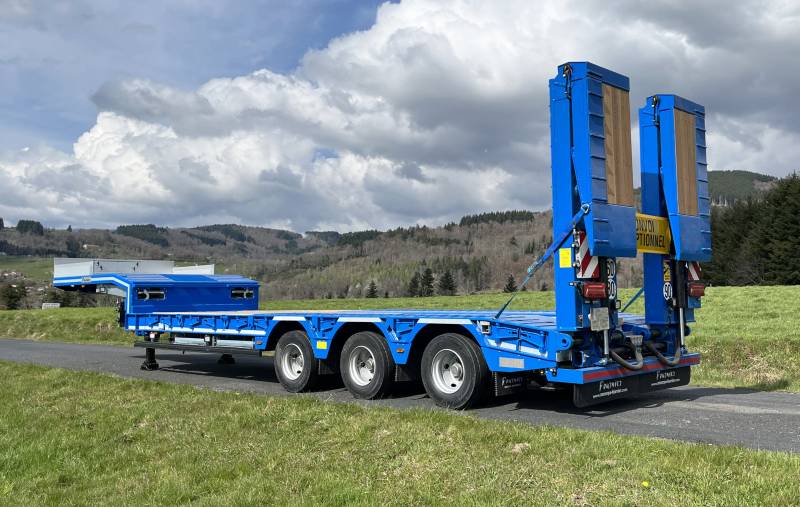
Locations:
column 697, row 290
column 594, row 290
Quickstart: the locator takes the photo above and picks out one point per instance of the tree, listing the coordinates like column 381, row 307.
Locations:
column 426, row 283
column 499, row 217
column 447, row 285
column 73, row 247
column 372, row 290
column 755, row 241
column 530, row 247
column 30, row 227
column 413, row 286
column 157, row 235
column 511, row 284
column 12, row 295
column 778, row 234
column 69, row 228
column 476, row 271
column 2, row 225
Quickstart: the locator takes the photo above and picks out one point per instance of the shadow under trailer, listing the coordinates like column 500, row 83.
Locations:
column 587, row 344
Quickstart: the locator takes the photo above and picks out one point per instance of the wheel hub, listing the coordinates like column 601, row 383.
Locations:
column 292, row 362
column 447, row 371
column 361, row 366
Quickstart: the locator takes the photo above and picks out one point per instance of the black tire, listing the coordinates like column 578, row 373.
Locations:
column 448, row 387
column 367, row 365
column 295, row 376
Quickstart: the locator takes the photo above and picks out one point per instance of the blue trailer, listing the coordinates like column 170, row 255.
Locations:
column 587, row 344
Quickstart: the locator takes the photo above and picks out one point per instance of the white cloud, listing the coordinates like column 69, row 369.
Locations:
column 438, row 110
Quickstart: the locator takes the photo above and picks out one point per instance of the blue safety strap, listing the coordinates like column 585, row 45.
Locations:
column 633, row 300
column 566, row 233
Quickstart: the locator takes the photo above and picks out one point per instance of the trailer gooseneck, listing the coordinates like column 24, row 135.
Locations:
column 587, row 344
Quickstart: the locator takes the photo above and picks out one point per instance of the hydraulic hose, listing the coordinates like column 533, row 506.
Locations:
column 636, row 344
column 662, row 358
column 676, row 359
column 627, row 364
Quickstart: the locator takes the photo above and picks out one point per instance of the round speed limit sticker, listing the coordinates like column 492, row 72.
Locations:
column 667, row 291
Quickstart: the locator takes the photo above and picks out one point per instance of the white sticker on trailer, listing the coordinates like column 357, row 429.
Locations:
column 512, row 362
column 463, row 322
column 242, row 332
column 502, row 345
column 531, row 350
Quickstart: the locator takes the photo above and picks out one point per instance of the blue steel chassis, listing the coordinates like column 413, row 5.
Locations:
column 521, row 342
column 561, row 346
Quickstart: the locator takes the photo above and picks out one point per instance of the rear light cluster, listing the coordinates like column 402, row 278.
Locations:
column 697, row 290
column 594, row 290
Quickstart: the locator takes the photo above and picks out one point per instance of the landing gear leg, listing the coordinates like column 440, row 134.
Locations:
column 149, row 363
column 226, row 359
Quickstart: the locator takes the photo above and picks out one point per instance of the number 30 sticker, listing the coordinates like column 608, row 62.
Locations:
column 611, row 270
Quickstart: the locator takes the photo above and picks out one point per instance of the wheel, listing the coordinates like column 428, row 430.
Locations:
column 367, row 365
column 295, row 365
column 454, row 372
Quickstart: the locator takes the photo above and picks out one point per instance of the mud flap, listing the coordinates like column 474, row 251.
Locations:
column 584, row 395
column 509, row 383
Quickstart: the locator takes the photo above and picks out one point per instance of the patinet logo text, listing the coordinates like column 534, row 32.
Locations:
column 609, row 385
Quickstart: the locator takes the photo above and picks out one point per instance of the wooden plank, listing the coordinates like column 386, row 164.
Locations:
column 686, row 162
column 617, row 130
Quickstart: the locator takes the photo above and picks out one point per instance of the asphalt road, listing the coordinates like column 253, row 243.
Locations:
column 759, row 420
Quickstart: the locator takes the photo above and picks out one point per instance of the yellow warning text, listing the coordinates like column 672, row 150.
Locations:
column 652, row 234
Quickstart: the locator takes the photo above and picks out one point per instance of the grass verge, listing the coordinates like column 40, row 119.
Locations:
column 747, row 335
column 73, row 438
column 79, row 325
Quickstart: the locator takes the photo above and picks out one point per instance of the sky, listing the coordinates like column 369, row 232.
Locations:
column 348, row 114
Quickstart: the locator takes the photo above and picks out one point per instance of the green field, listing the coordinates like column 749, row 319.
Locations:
column 746, row 334
column 39, row 269
column 71, row 438
column 79, row 325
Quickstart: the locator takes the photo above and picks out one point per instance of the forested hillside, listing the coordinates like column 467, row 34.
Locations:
column 755, row 241
column 728, row 187
column 478, row 255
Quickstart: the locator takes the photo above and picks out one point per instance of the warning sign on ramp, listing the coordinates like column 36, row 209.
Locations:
column 652, row 234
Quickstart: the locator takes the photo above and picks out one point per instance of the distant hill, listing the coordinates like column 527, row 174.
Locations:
column 480, row 250
column 480, row 254
column 727, row 187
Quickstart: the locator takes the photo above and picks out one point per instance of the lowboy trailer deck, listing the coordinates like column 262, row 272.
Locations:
column 587, row 344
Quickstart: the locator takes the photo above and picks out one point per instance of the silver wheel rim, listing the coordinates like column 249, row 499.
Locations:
column 361, row 366
column 447, row 371
column 292, row 362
